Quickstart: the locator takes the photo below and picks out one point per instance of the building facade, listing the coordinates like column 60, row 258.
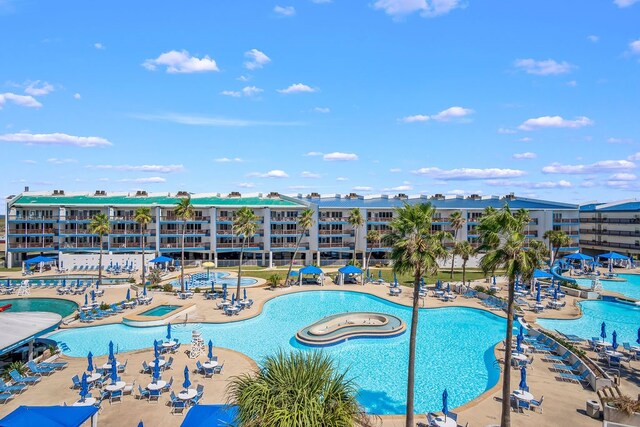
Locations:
column 57, row 224
column 615, row 226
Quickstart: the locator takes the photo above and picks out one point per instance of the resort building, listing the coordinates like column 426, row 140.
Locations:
column 614, row 226
column 57, row 223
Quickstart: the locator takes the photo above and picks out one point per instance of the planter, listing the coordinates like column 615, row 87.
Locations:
column 615, row 415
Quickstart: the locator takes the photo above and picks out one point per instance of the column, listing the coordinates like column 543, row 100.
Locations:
column 270, row 259
column 157, row 231
column 30, row 354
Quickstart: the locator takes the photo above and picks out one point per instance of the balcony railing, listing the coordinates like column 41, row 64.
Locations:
column 284, row 218
column 341, row 232
column 610, row 220
column 566, row 220
column 336, row 245
column 69, row 245
column 612, row 232
column 78, row 217
column 13, row 245
column 187, row 231
column 332, row 219
column 31, row 231
column 132, row 231
column 238, row 245
column 51, row 218
column 186, row 245
column 176, row 218
column 380, row 219
column 287, row 232
column 289, row 245
column 610, row 244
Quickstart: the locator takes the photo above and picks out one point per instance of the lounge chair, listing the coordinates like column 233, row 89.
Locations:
column 54, row 365
column 567, row 368
column 169, row 363
column 557, row 358
column 5, row 397
column 143, row 393
column 76, row 382
column 122, row 367
column 581, row 378
column 40, row 371
column 168, row 385
column 12, row 389
column 145, row 368
column 199, row 367
column 19, row 379
column 536, row 404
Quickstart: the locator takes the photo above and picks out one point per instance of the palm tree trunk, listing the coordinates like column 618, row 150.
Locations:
column 100, row 264
column 184, row 226
column 143, row 265
column 453, row 255
column 464, row 272
column 412, row 350
column 555, row 255
column 244, row 240
column 293, row 257
column 505, row 420
column 355, row 246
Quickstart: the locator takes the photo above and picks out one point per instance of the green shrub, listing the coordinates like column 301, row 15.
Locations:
column 167, row 287
column 104, row 306
column 20, row 367
column 196, row 291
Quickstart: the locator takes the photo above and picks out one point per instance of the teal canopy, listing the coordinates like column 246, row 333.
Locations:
column 50, row 416
column 211, row 416
column 612, row 255
column 539, row 274
column 579, row 256
column 161, row 258
column 310, row 269
column 350, row 269
column 39, row 259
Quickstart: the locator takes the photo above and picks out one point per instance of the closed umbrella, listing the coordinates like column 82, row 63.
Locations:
column 438, row 284
column 156, row 370
column 144, row 290
column 233, row 299
column 224, row 294
column 111, row 356
column 494, row 280
column 90, row 362
column 213, row 287
column 538, row 293
column 128, row 294
column 521, row 333
column 516, row 285
column 638, row 340
column 518, row 343
column 445, row 406
column 84, row 387
column 614, row 340
column 210, row 350
column 86, row 299
column 245, row 294
column 379, row 274
column 555, row 292
column 169, row 331
column 603, row 331
column 93, row 296
column 395, row 279
column 97, row 285
column 448, row 287
column 156, row 352
column 140, row 424
column 523, row 379
column 186, row 382
column 114, row 373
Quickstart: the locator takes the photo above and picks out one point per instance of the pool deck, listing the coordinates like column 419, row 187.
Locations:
column 564, row 402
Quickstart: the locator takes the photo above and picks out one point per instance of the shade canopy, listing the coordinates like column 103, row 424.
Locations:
column 208, row 264
column 579, row 256
column 350, row 269
column 540, row 274
column 51, row 416
column 211, row 416
column 612, row 255
column 310, row 269
column 39, row 259
column 161, row 258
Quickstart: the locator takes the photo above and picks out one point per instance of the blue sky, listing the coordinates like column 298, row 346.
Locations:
column 539, row 98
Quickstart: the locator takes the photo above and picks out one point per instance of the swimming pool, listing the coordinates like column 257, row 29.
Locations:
column 624, row 318
column 630, row 288
column 55, row 305
column 160, row 310
column 455, row 346
column 220, row 278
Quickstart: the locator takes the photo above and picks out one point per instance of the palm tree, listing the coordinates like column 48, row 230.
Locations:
column 464, row 250
column 184, row 211
column 100, row 225
column 356, row 220
column 143, row 217
column 372, row 236
column 305, row 222
column 456, row 221
column 245, row 225
column 298, row 389
column 415, row 251
column 502, row 237
column 557, row 239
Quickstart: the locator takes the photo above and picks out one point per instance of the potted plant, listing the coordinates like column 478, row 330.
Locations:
column 622, row 410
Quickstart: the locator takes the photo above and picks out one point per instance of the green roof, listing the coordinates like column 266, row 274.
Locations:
column 30, row 200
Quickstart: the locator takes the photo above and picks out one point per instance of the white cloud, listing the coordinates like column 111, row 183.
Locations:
column 588, row 184
column 526, row 184
column 141, row 168
column 525, row 139
column 233, row 93
column 198, row 120
column 150, row 180
column 77, row 96
column 458, row 192
column 362, row 188
column 321, row 1
column 526, row 155
column 55, row 139
column 404, row 187
column 469, row 173
column 99, row 46
column 251, row 90
column 29, row 162
column 593, row 38
column 443, row 116
column 246, row 185
column 284, row 10
column 624, row 3
column 572, row 83
column 602, row 166
column 257, row 59
column 634, row 157
column 620, row 141
column 555, row 122
column 634, row 46
column 342, row 178
column 506, row 131
column 297, row 88
column 337, row 156
column 323, row 110
column 38, row 88
column 313, row 154
column 426, row 8
column 228, row 160
column 623, row 176
column 57, row 161
column 276, row 173
column 21, row 100
column 543, row 68
column 307, row 174
column 181, row 62
column 395, row 170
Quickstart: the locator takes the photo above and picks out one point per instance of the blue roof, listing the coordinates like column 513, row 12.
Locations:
column 50, row 416
column 612, row 255
column 350, row 269
column 39, row 259
column 539, row 274
column 623, row 207
column 310, row 269
column 589, row 207
column 210, row 416
column 579, row 256
column 449, row 203
column 162, row 258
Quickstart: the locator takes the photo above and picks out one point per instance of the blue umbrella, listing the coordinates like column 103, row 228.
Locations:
column 555, row 292
column 445, row 407
column 114, row 373
column 523, row 379
column 379, row 274
column 438, row 284
column 516, row 285
column 169, row 331
column 84, row 387
column 186, row 382
column 368, row 274
column 93, row 296
column 213, row 286
column 90, row 362
column 603, row 331
column 210, row 350
column 140, row 424
column 128, row 294
column 518, row 343
column 156, row 370
column 233, row 299
column 521, row 333
column 448, row 287
column 538, row 293
column 64, row 282
column 86, row 299
column 494, row 280
column 144, row 290
column 97, row 285
column 156, row 352
column 245, row 293
column 224, row 294
column 422, row 282
column 395, row 279
column 111, row 356
column 614, row 340
column 638, row 340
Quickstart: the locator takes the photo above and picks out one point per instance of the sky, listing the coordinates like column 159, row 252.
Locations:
column 457, row 97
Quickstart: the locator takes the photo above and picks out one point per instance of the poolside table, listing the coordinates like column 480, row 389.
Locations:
column 448, row 297
column 211, row 364
column 519, row 356
column 93, row 377
column 89, row 401
column 612, row 353
column 187, row 394
column 523, row 395
column 108, row 365
column 128, row 304
column 602, row 344
column 441, row 422
column 157, row 386
column 115, row 387
column 169, row 344
column 243, row 302
column 161, row 363
column 555, row 304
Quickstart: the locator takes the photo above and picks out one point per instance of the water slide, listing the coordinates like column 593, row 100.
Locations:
column 554, row 272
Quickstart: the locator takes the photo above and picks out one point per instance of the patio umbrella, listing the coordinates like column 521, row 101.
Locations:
column 516, row 285
column 93, row 296
column 224, row 294
column 555, row 292
column 86, row 299
column 614, row 340
column 445, row 406
column 438, row 284
column 379, row 274
column 140, row 424
column 114, row 373
column 208, row 265
column 156, row 370
column 448, row 287
column 97, row 285
column 186, row 382
column 233, row 299
column 144, row 290
column 169, row 331
column 521, row 333
column 245, row 293
column 84, row 387
column 638, row 340
column 523, row 379
column 395, row 279
column 156, row 352
column 518, row 343
column 112, row 358
column 603, row 331
column 494, row 280
column 538, row 293
column 128, row 294
column 64, row 282
column 90, row 362
column 210, row 354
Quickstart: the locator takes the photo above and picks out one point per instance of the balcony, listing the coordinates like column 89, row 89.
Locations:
column 126, row 218
column 130, row 232
column 610, row 220
column 333, row 219
column 612, row 232
column 173, row 218
column 28, row 232
column 77, row 218
column 278, row 218
column 82, row 245
column 337, row 232
column 566, row 220
column 33, row 218
column 303, row 246
column 31, row 245
column 379, row 219
column 187, row 245
column 287, row 232
column 610, row 244
column 336, row 245
column 237, row 246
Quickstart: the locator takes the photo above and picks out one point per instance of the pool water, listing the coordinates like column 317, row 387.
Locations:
column 624, row 318
column 630, row 288
column 454, row 351
column 160, row 310
column 55, row 305
column 220, row 278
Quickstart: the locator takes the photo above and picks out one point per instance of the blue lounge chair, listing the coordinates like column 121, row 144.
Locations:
column 567, row 368
column 5, row 397
column 143, row 393
column 54, row 365
column 40, row 371
column 199, row 367
column 145, row 368
column 19, row 379
column 76, row 382
column 536, row 404
column 122, row 367
column 169, row 363
column 12, row 389
column 557, row 358
column 581, row 378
